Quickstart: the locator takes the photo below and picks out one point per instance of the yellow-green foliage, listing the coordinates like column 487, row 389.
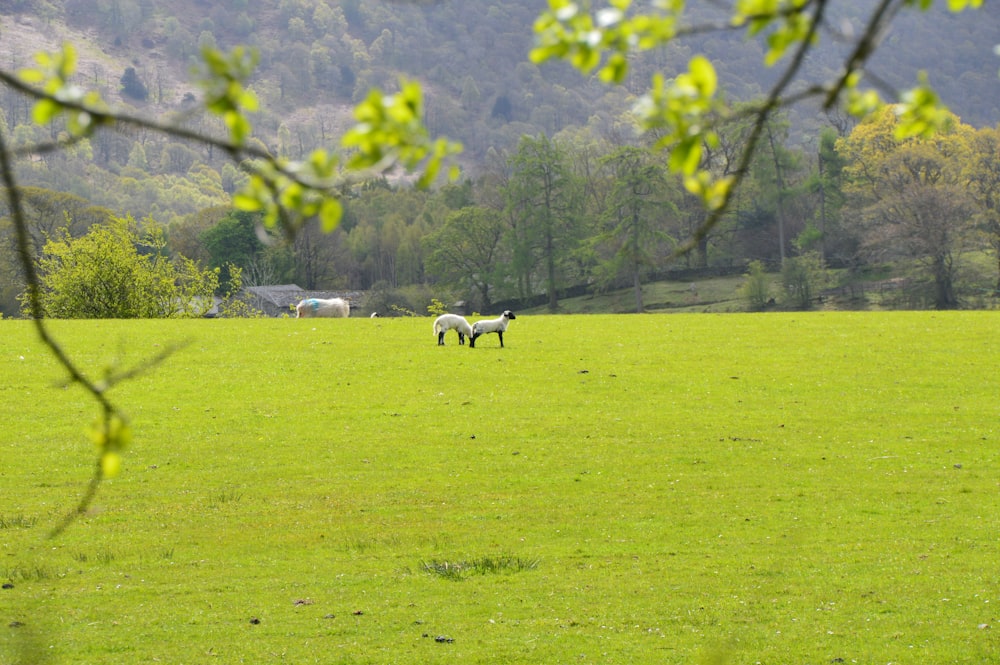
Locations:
column 778, row 488
column 119, row 270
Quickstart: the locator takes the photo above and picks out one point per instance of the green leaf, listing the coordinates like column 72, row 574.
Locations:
column 686, row 155
column 67, row 64
column 222, row 78
column 615, row 70
column 920, row 112
column 703, row 75
column 111, row 464
column 44, row 111
column 111, row 436
column 330, row 213
column 31, row 75
column 244, row 200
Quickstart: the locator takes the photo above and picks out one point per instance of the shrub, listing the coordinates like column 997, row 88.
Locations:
column 132, row 86
column 757, row 289
column 801, row 278
column 117, row 271
column 436, row 308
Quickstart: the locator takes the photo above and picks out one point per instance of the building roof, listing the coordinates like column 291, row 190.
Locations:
column 281, row 295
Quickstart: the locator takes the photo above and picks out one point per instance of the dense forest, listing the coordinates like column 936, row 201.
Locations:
column 554, row 192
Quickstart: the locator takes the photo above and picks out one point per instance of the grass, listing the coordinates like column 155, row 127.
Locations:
column 486, row 565
column 780, row 488
column 17, row 522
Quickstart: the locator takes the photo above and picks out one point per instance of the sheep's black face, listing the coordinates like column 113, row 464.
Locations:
column 509, row 314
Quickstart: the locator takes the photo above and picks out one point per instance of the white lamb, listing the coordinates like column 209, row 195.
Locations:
column 446, row 322
column 337, row 308
column 497, row 325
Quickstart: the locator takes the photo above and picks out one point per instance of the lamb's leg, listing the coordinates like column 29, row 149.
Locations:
column 500, row 335
column 461, row 339
column 472, row 340
column 441, row 338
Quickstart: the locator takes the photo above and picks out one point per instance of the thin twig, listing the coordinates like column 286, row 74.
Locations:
column 863, row 49
column 83, row 505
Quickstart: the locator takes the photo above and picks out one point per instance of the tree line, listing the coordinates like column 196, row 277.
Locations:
column 577, row 209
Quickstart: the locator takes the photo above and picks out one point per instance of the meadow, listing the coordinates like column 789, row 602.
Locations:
column 692, row 488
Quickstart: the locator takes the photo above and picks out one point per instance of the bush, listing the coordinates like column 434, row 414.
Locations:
column 118, row 272
column 801, row 278
column 132, row 86
column 757, row 289
column 405, row 301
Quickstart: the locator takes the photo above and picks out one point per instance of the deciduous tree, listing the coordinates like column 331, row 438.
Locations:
column 909, row 198
column 983, row 175
column 233, row 240
column 465, row 252
column 544, row 197
column 634, row 217
column 119, row 271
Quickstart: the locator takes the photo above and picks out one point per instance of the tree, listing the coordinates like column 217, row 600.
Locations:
column 47, row 212
column 233, row 241
column 779, row 161
column 909, row 197
column 633, row 215
column 544, row 196
column 983, row 176
column 381, row 222
column 117, row 271
column 465, row 251
column 828, row 237
column 720, row 157
column 132, row 85
column 185, row 235
column 801, row 277
column 757, row 287
column 316, row 256
column 767, row 205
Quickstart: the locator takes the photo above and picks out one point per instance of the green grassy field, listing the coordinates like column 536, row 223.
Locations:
column 780, row 488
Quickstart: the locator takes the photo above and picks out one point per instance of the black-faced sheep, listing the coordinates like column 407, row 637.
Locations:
column 497, row 325
column 446, row 322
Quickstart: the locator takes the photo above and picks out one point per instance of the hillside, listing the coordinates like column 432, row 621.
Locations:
column 319, row 57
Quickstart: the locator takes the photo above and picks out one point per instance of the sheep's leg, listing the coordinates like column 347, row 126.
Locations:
column 461, row 339
column 472, row 340
column 441, row 338
column 500, row 335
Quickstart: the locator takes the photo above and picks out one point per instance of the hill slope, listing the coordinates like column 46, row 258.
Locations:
column 319, row 57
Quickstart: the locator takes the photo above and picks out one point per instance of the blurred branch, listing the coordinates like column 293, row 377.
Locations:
column 760, row 117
